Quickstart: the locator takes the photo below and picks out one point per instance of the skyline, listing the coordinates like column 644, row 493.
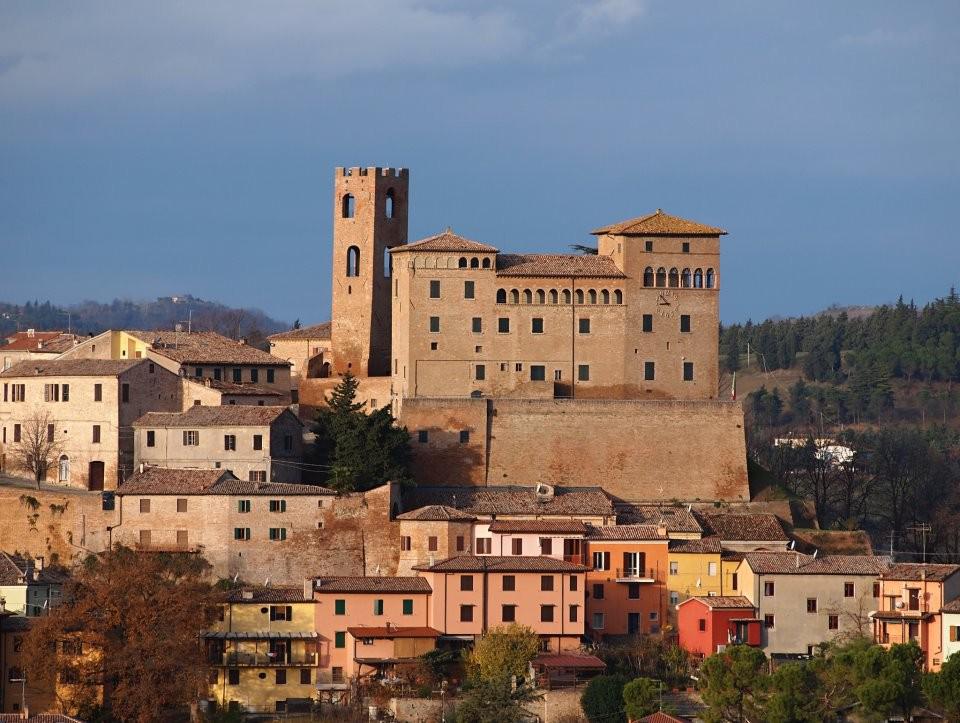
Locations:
column 140, row 159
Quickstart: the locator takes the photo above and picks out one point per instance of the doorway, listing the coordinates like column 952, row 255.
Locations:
column 95, row 476
column 633, row 623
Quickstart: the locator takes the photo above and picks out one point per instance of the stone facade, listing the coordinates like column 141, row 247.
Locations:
column 308, row 349
column 209, row 392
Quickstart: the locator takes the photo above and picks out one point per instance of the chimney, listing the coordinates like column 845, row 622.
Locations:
column 141, row 468
column 31, row 333
column 307, row 589
column 661, row 530
column 247, row 594
column 38, row 563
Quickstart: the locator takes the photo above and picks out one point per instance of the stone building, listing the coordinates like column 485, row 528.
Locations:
column 33, row 344
column 92, row 404
column 258, row 444
column 308, row 349
column 214, row 393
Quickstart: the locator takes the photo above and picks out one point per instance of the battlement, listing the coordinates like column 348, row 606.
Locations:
column 373, row 171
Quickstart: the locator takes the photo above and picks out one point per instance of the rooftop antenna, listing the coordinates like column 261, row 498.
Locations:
column 266, row 583
column 815, row 554
column 235, row 577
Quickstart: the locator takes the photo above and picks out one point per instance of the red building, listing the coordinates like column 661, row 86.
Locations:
column 705, row 623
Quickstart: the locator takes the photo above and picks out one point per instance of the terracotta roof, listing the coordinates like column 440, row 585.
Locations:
column 445, row 241
column 38, row 718
column 71, row 367
column 796, row 563
column 509, row 500
column 723, row 602
column 393, row 631
column 706, row 545
column 52, row 342
column 675, row 519
column 560, row 527
column 952, row 607
column 250, row 390
column 167, row 481
column 747, row 527
column 659, row 223
column 317, row 331
column 626, row 532
column 660, row 717
column 498, row 563
column 372, row 584
column 19, row 570
column 436, row 513
column 558, row 265
column 205, row 347
column 265, row 595
column 916, row 571
column 568, row 660
column 226, row 415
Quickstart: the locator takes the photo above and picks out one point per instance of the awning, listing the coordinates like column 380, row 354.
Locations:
column 260, row 635
column 569, row 660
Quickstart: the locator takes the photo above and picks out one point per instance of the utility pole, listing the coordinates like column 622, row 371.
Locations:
column 923, row 528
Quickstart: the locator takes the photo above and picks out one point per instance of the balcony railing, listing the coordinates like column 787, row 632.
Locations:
column 636, row 574
column 242, row 659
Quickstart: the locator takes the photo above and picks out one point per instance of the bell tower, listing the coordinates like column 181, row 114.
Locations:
column 369, row 217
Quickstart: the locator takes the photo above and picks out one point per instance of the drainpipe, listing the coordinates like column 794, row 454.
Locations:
column 573, row 338
column 485, row 597
column 110, row 528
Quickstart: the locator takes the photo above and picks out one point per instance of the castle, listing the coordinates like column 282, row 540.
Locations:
column 526, row 368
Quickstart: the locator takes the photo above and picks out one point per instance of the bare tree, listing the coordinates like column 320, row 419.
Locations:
column 38, row 447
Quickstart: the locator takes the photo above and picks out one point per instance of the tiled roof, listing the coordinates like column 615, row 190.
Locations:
column 436, row 513
column 71, row 368
column 38, row 718
column 53, row 342
column 509, row 500
column 723, row 602
column 560, row 527
column 952, row 607
column 917, row 571
column 265, row 595
column 833, row 542
column 706, row 545
column 675, row 519
column 249, row 390
column 205, row 347
column 393, row 631
column 568, row 660
column 372, row 584
column 18, row 570
column 445, row 241
column 747, row 527
column 796, row 563
column 659, row 224
column 168, row 481
column 498, row 563
column 626, row 532
column 660, row 717
column 226, row 415
column 317, row 331
column 558, row 265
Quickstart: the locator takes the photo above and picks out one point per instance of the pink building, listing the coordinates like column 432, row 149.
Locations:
column 472, row 594
column 557, row 538
column 707, row 624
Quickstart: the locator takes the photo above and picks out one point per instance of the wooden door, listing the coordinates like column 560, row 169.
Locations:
column 95, row 476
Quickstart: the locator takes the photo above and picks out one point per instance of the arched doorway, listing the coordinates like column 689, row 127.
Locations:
column 63, row 469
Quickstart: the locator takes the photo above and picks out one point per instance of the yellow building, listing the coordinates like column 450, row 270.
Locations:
column 263, row 650
column 693, row 569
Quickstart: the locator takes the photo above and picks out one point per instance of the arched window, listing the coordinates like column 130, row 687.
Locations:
column 501, row 296
column 617, row 297
column 686, row 279
column 579, row 296
column 592, row 296
column 673, row 280
column 474, row 263
column 661, row 276
column 711, row 279
column 353, row 261
column 514, row 296
column 387, row 263
column 566, row 296
column 698, row 279
column 527, row 296
column 605, row 296
column 486, row 262
column 388, row 211
column 349, row 206
column 553, row 296
column 541, row 297
column 648, row 276
column 64, row 469
column 462, row 263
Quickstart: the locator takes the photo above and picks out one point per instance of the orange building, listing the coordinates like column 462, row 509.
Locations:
column 626, row 586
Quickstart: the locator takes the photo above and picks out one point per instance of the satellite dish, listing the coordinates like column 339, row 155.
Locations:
column 899, row 604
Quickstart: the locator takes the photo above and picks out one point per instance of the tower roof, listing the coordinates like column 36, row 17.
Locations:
column 445, row 241
column 659, row 224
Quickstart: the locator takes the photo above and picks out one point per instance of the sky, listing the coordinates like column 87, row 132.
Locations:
column 151, row 149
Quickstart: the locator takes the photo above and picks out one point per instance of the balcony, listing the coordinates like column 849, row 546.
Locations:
column 264, row 660
column 636, row 574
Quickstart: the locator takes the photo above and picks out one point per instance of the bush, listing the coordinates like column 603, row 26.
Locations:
column 603, row 699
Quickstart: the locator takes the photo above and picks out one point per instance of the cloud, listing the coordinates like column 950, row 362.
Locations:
column 54, row 50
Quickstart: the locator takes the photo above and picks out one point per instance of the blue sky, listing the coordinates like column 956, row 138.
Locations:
column 156, row 148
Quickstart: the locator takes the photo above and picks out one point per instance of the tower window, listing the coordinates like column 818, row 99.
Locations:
column 353, row 261
column 388, row 208
column 474, row 263
column 435, row 289
column 686, row 247
column 462, row 263
column 698, row 279
column 648, row 371
column 583, row 372
column 501, row 296
column 486, row 262
column 476, row 325
column 584, row 325
column 503, row 325
column 617, row 296
column 434, row 324
column 349, row 206
column 538, row 373
column 711, row 279
column 648, row 246
column 648, row 276
column 685, row 322
column 468, row 289
column 387, row 264
column 688, row 371
column 661, row 276
column 648, row 322
column 673, row 279
column 480, row 372
column 536, row 326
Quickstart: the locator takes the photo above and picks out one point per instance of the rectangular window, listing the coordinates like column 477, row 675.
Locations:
column 477, row 325
column 503, row 325
column 833, row 622
column 633, row 590
column 648, row 246
column 466, row 583
column 218, row 374
column 144, row 505
column 243, row 505
column 191, row 438
column 423, row 436
column 685, row 247
column 16, row 432
column 305, row 677
column 509, row 583
column 51, row 432
column 378, row 607
column 546, row 583
column 151, row 438
column 270, row 376
column 583, row 372
column 405, row 543
column 464, row 436
column 954, row 633
column 508, row 613
column 233, row 677
column 241, row 533
column 461, row 543
column 598, row 591
column 466, row 613
column 648, row 371
column 733, row 580
column 254, row 375
column 484, row 545
column 339, row 607
column 19, row 392
column 281, row 612
column 546, row 613
column 811, row 605
column 237, row 375
column 258, row 442
column 538, row 373
column 701, row 624
column 574, row 583
column 408, row 607
column 434, row 324
column 648, row 322
column 688, row 371
column 66, row 392
column 574, row 613
column 876, row 589
column 145, row 538
column 480, row 372
column 684, row 322
column 98, row 392
column 434, row 289
column 96, row 434
column 230, row 442
column 768, row 622
column 278, row 505
column 182, row 538
column 546, row 545
column 597, row 622
column 848, row 589
column 468, row 290
column 278, row 534
column 124, row 392
column 516, row 546
column 181, row 504
column 432, row 543
column 198, row 372
column 601, row 560
column 536, row 325
column 340, row 639
column 712, row 569
column 768, row 589
column 583, row 326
